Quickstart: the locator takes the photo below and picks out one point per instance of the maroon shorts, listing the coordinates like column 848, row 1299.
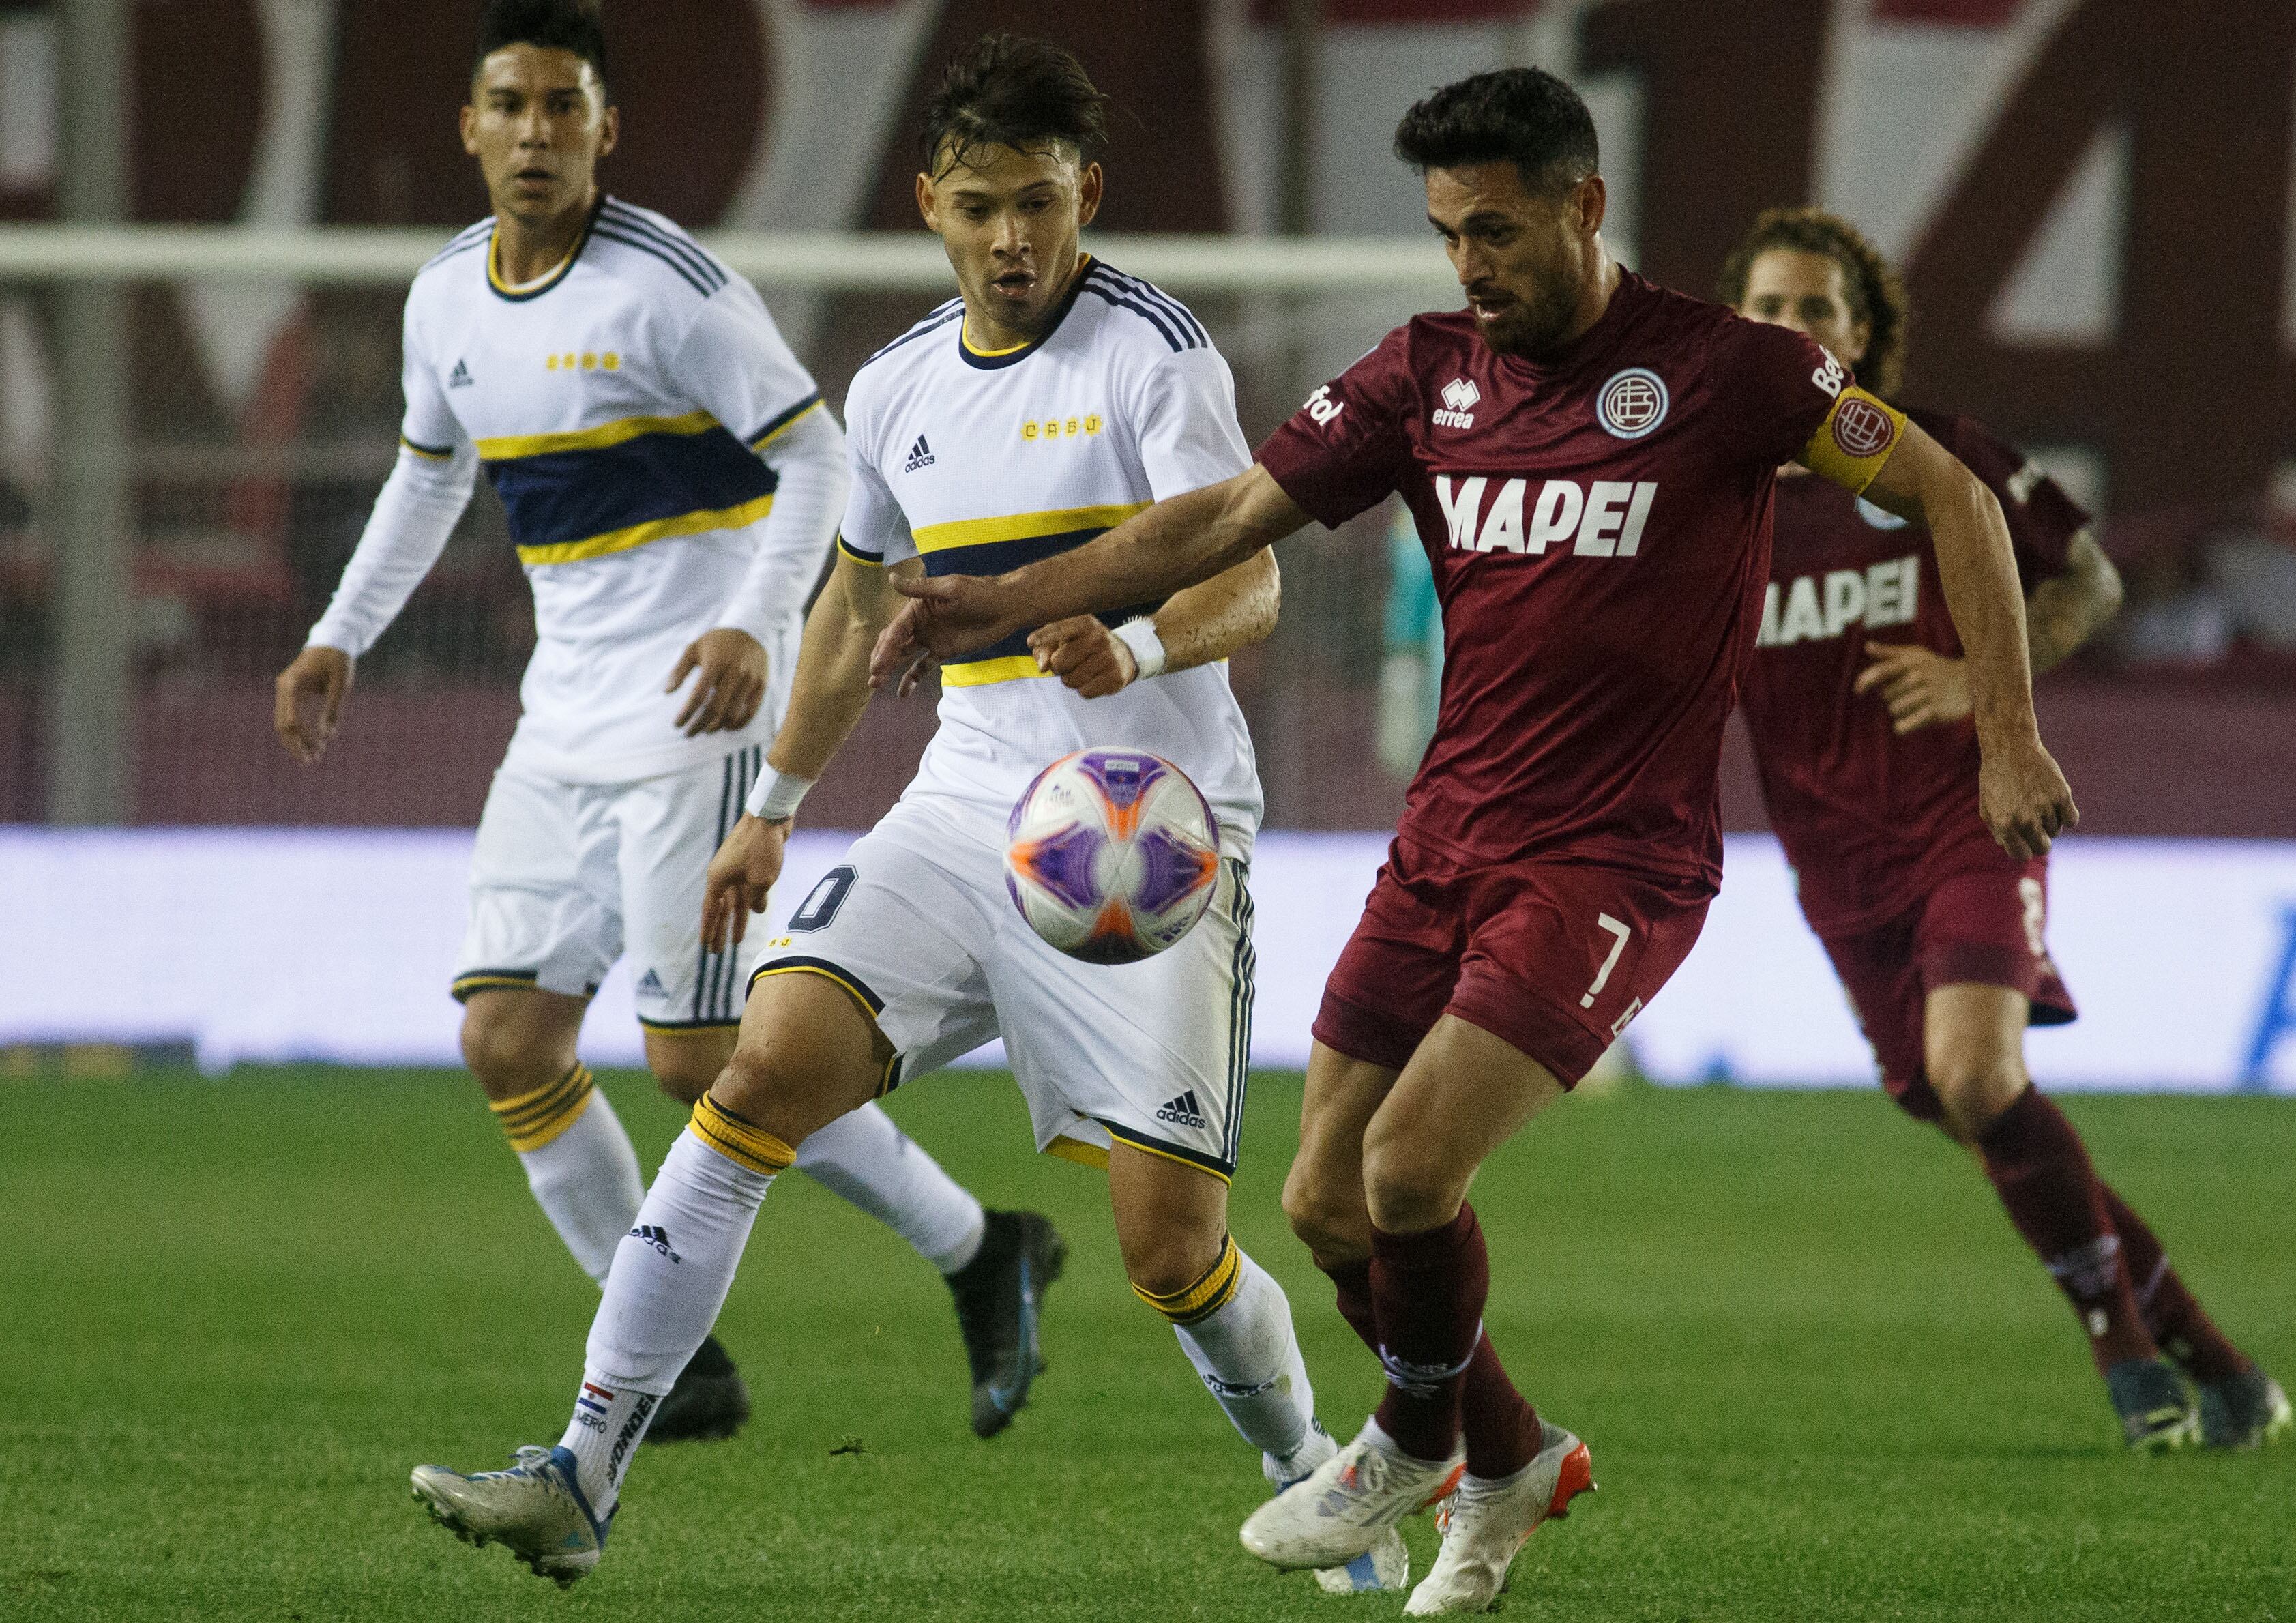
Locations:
column 1552, row 957
column 1982, row 927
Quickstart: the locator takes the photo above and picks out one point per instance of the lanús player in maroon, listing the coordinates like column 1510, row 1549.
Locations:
column 1858, row 702
column 1590, row 461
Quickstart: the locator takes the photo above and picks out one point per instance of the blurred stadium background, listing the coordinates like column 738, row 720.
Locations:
column 211, row 206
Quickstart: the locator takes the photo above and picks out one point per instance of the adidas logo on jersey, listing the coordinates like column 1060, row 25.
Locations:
column 652, row 983
column 1815, row 607
column 460, row 378
column 920, row 456
column 1183, row 1111
column 647, row 1234
column 1601, row 519
column 1458, row 407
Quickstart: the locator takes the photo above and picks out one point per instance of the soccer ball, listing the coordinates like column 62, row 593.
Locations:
column 1114, row 855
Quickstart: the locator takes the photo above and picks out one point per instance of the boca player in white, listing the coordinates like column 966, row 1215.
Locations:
column 1051, row 399
column 673, row 481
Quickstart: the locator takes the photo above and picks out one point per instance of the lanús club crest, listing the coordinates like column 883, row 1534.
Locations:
column 1631, row 403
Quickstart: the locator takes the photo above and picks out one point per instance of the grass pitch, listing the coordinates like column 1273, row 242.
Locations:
column 1820, row 1376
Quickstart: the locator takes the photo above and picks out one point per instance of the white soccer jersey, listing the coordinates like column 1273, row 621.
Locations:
column 981, row 463
column 619, row 407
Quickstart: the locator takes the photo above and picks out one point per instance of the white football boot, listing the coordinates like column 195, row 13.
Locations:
column 1486, row 1522
column 1386, row 1565
column 536, row 1509
column 1339, row 1510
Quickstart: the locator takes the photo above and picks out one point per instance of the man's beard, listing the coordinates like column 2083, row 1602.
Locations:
column 1533, row 328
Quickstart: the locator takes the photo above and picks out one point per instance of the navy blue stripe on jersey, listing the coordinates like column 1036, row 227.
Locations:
column 613, row 232
column 564, row 496
column 1155, row 295
column 672, row 241
column 1165, row 327
column 686, row 250
column 953, row 310
column 996, row 557
column 775, row 425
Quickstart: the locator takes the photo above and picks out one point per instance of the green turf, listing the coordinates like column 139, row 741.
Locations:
column 1820, row 1377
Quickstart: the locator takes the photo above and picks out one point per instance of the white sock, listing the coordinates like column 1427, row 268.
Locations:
column 580, row 1163
column 865, row 1157
column 1250, row 1361
column 668, row 1280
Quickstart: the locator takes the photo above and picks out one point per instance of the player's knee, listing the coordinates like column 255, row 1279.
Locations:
column 507, row 1055
column 1165, row 1260
column 684, row 1077
column 1409, row 1186
column 1327, row 1214
column 761, row 1086
column 1974, row 1084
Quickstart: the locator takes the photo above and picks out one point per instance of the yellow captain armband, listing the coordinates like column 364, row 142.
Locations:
column 1856, row 438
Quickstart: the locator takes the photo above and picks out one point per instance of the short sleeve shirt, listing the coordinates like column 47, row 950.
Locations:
column 1598, row 527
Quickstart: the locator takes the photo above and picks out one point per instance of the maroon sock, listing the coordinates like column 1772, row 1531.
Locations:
column 1498, row 1423
column 2055, row 1198
column 2172, row 1314
column 1427, row 1293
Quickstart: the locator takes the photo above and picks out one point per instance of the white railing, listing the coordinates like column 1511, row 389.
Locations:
column 908, row 261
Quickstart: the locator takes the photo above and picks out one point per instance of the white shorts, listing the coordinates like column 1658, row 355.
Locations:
column 917, row 925
column 566, row 877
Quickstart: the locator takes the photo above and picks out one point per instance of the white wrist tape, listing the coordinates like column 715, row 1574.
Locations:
column 1147, row 648
column 774, row 797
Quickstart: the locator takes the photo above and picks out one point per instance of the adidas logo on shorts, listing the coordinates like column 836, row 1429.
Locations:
column 920, row 456
column 1183, row 1111
column 652, row 983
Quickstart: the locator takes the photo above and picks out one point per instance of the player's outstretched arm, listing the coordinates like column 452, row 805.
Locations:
column 1206, row 623
column 1176, row 544
column 827, row 695
column 2022, row 795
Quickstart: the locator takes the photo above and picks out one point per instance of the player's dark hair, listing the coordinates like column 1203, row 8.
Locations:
column 1526, row 114
column 1004, row 90
column 1876, row 294
column 553, row 25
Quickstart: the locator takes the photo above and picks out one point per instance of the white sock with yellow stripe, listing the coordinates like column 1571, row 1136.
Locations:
column 580, row 1163
column 669, row 1278
column 1234, row 1323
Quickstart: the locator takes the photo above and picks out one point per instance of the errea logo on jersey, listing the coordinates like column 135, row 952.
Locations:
column 1458, row 408
column 1815, row 607
column 1601, row 519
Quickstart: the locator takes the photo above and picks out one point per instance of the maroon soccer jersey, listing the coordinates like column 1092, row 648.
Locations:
column 1599, row 525
column 1871, row 820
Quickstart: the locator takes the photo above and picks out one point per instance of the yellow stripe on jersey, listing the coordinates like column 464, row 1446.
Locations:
column 653, row 529
column 743, row 1143
column 1857, row 437
column 425, row 451
column 531, row 1120
column 1208, row 1295
column 1023, row 525
column 982, row 673
column 846, row 547
column 509, row 447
